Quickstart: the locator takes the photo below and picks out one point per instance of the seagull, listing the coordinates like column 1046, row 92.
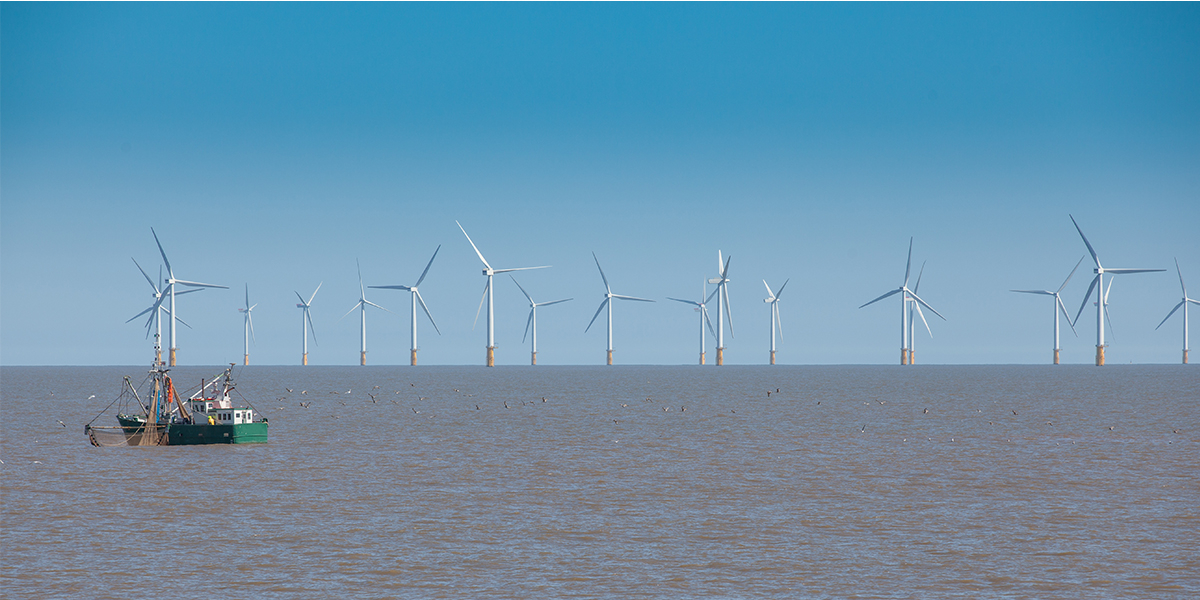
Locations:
column 372, row 398
column 768, row 393
column 505, row 404
column 288, row 389
column 375, row 388
column 863, row 430
column 415, row 411
column 543, row 398
column 303, row 392
column 92, row 396
column 61, row 423
column 476, row 407
column 926, row 411
column 1014, row 412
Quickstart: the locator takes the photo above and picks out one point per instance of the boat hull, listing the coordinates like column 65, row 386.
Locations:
column 179, row 434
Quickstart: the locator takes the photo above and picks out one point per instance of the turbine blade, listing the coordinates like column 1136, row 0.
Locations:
column 780, row 292
column 632, row 298
column 725, row 271
column 314, row 294
column 1091, row 250
column 1063, row 308
column 921, row 314
column 704, row 311
column 555, row 302
column 1039, row 292
column 728, row 313
column 926, row 304
column 498, row 271
column 485, row 262
column 391, row 287
column 163, row 253
column 481, row 298
column 778, row 321
column 908, row 265
column 189, row 291
column 1111, row 331
column 1181, row 286
column 250, row 321
column 1060, row 288
column 308, row 317
column 710, row 296
column 155, row 286
column 354, row 308
column 692, row 302
column 1085, row 298
column 301, row 299
column 770, row 294
column 426, row 309
column 207, row 285
column 895, row 291
column 602, row 305
column 527, row 296
column 1156, row 328
column 362, row 292
column 1131, row 271
column 143, row 312
column 426, row 271
column 606, row 288
column 247, row 296
column 376, row 305
column 527, row 323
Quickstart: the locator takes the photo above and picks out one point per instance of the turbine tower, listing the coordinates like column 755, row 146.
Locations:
column 722, row 294
column 906, row 294
column 416, row 297
column 488, row 272
column 170, row 291
column 1102, row 295
column 1184, row 304
column 1059, row 307
column 306, row 318
column 362, row 306
column 608, row 298
column 701, row 308
column 773, row 299
column 248, row 326
column 156, row 308
column 532, row 320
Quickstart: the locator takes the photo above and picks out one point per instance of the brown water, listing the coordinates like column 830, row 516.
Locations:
column 838, row 486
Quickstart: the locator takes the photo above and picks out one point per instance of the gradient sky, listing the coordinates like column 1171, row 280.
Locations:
column 273, row 144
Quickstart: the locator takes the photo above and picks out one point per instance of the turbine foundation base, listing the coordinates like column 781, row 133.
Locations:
column 533, row 358
column 304, row 360
column 904, row 356
column 912, row 357
column 412, row 361
column 362, row 358
column 701, row 358
column 1056, row 356
column 491, row 356
column 245, row 360
column 720, row 357
column 1185, row 357
column 172, row 359
column 1099, row 356
column 772, row 357
column 610, row 358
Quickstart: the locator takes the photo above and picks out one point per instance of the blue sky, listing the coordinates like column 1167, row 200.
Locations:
column 273, row 144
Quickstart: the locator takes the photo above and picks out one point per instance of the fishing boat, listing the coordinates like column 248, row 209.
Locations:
column 160, row 416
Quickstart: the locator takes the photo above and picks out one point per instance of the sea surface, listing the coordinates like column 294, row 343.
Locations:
column 617, row 482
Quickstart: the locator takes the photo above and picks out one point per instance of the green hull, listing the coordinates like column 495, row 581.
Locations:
column 179, row 434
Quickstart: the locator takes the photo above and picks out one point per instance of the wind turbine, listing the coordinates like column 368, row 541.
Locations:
column 305, row 317
column 248, row 326
column 171, row 282
column 773, row 299
column 532, row 320
column 608, row 297
column 1058, row 305
column 416, row 297
column 722, row 294
column 156, row 308
column 1184, row 304
column 701, row 308
column 906, row 294
column 488, row 272
column 1102, row 294
column 362, row 306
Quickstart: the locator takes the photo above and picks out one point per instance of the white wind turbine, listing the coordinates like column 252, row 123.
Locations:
column 906, row 295
column 362, row 306
column 722, row 294
column 488, row 272
column 1184, row 304
column 156, row 308
column 248, row 326
column 1102, row 293
column 170, row 291
column 416, row 297
column 1059, row 307
column 702, row 308
column 306, row 321
column 608, row 298
column 532, row 320
column 773, row 299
